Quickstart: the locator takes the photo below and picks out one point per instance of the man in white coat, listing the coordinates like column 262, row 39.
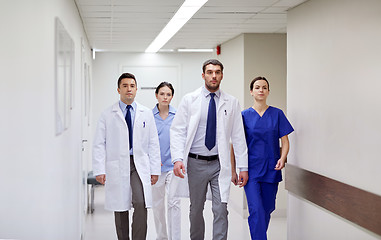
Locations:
column 126, row 158
column 207, row 122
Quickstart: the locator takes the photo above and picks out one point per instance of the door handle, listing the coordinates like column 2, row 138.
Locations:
column 83, row 144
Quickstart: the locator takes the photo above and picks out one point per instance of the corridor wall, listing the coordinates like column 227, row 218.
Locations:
column 333, row 90
column 42, row 194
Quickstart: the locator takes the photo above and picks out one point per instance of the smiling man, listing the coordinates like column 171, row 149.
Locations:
column 126, row 158
column 206, row 122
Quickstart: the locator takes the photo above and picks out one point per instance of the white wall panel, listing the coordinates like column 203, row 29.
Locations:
column 41, row 172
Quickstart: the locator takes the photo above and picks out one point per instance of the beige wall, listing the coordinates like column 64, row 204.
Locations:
column 232, row 56
column 265, row 55
column 334, row 56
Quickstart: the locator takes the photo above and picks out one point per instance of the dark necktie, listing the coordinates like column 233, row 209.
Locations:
column 129, row 124
column 210, row 137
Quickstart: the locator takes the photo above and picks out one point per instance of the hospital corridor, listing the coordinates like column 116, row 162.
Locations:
column 100, row 225
column 311, row 66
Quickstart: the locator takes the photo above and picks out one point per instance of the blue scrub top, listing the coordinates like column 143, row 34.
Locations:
column 262, row 138
column 163, row 127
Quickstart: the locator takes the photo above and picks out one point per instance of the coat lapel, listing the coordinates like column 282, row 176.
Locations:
column 195, row 114
column 118, row 111
column 223, row 101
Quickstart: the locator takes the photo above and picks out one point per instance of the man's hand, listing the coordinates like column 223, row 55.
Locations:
column 243, row 177
column 179, row 169
column 101, row 178
column 154, row 179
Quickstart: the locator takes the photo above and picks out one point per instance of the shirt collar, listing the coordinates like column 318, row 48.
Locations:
column 205, row 92
column 172, row 109
column 123, row 106
column 155, row 110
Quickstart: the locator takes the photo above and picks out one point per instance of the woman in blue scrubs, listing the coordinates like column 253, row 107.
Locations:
column 164, row 113
column 264, row 126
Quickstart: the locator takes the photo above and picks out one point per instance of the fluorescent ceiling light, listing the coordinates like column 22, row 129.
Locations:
column 166, row 50
column 185, row 12
column 195, row 50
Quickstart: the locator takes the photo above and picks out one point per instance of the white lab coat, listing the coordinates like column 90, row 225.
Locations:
column 111, row 155
column 229, row 130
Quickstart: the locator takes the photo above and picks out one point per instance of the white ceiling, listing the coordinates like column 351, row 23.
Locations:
column 131, row 25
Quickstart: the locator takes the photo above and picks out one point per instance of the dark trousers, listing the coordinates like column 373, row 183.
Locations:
column 261, row 198
column 139, row 217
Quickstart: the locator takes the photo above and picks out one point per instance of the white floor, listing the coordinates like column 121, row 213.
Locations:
column 100, row 224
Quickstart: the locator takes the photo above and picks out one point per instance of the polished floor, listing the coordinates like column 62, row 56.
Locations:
column 100, row 224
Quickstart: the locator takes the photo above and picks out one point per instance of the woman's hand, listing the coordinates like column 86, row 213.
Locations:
column 243, row 178
column 284, row 151
column 280, row 164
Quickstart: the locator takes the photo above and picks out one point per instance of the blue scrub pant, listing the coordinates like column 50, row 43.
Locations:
column 261, row 202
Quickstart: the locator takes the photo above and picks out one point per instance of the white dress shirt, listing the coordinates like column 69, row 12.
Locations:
column 198, row 146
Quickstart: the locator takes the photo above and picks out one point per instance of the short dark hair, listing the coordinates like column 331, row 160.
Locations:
column 213, row 62
column 126, row 75
column 256, row 79
column 165, row 84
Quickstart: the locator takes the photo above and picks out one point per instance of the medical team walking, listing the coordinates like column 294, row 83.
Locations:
column 145, row 156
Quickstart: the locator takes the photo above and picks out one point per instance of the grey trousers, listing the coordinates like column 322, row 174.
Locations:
column 139, row 218
column 200, row 174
